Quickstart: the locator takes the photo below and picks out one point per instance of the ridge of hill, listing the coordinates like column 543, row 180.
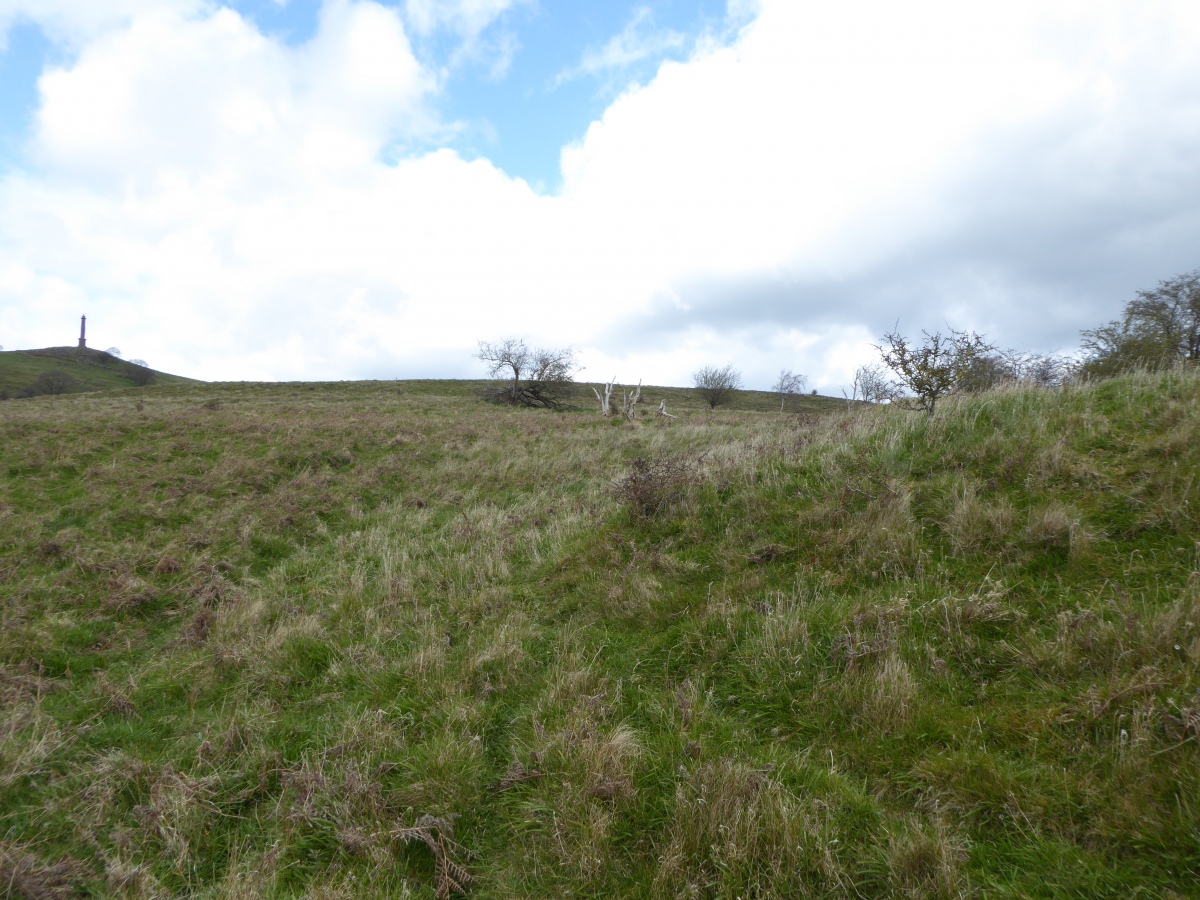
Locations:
column 87, row 369
column 383, row 639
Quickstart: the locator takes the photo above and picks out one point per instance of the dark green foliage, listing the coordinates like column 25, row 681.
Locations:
column 1159, row 327
column 141, row 375
column 53, row 383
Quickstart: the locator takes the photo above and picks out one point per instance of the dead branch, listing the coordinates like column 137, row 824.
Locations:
column 629, row 402
column 606, row 400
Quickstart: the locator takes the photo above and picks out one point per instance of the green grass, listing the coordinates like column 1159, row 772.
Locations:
column 252, row 633
column 91, row 370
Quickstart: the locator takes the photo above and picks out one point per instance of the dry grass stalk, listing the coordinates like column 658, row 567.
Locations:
column 871, row 633
column 889, row 698
column 736, row 831
column 1051, row 527
column 927, row 863
column 1144, row 682
column 974, row 524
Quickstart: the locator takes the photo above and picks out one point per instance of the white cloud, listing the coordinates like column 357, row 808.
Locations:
column 471, row 21
column 639, row 40
column 219, row 204
column 75, row 22
column 212, row 97
column 465, row 17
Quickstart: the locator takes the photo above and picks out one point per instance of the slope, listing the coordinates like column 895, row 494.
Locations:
column 87, row 370
column 368, row 640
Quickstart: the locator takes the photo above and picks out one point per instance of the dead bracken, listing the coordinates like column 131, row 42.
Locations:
column 438, row 835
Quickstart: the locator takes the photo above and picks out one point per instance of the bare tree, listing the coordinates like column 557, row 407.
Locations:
column 1042, row 369
column 114, row 351
column 788, row 382
column 872, row 385
column 937, row 367
column 715, row 385
column 509, row 357
column 538, row 376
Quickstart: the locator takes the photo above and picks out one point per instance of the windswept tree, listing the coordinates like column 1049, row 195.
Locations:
column 939, row 366
column 716, row 385
column 788, row 383
column 534, row 377
column 1159, row 326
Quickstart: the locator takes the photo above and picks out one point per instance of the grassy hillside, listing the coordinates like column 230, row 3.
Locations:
column 366, row 640
column 578, row 397
column 90, row 370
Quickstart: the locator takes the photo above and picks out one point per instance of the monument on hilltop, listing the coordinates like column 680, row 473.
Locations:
column 83, row 331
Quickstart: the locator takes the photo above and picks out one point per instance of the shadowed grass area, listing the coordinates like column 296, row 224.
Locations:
column 383, row 639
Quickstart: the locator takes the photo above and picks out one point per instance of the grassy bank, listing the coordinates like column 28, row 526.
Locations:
column 86, row 370
column 368, row 639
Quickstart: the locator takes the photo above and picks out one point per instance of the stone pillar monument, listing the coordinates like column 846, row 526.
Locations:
column 83, row 331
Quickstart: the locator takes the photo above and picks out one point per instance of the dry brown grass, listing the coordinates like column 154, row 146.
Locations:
column 737, row 832
column 926, row 862
column 24, row 876
column 974, row 524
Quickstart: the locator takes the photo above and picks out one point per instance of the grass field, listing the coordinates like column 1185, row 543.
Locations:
column 386, row 640
column 89, row 370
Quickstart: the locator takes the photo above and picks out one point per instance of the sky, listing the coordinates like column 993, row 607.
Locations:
column 343, row 189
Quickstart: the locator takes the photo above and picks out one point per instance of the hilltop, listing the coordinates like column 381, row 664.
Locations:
column 86, row 369
column 384, row 639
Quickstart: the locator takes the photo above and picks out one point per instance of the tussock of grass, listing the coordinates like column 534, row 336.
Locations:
column 252, row 636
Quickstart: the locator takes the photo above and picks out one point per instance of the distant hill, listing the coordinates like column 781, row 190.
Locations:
column 84, row 369
column 95, row 370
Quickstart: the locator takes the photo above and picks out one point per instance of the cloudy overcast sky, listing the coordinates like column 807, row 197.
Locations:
column 325, row 189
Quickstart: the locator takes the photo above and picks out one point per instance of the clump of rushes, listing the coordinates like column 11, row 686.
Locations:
column 246, row 647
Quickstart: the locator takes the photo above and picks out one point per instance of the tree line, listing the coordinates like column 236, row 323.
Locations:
column 1158, row 327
